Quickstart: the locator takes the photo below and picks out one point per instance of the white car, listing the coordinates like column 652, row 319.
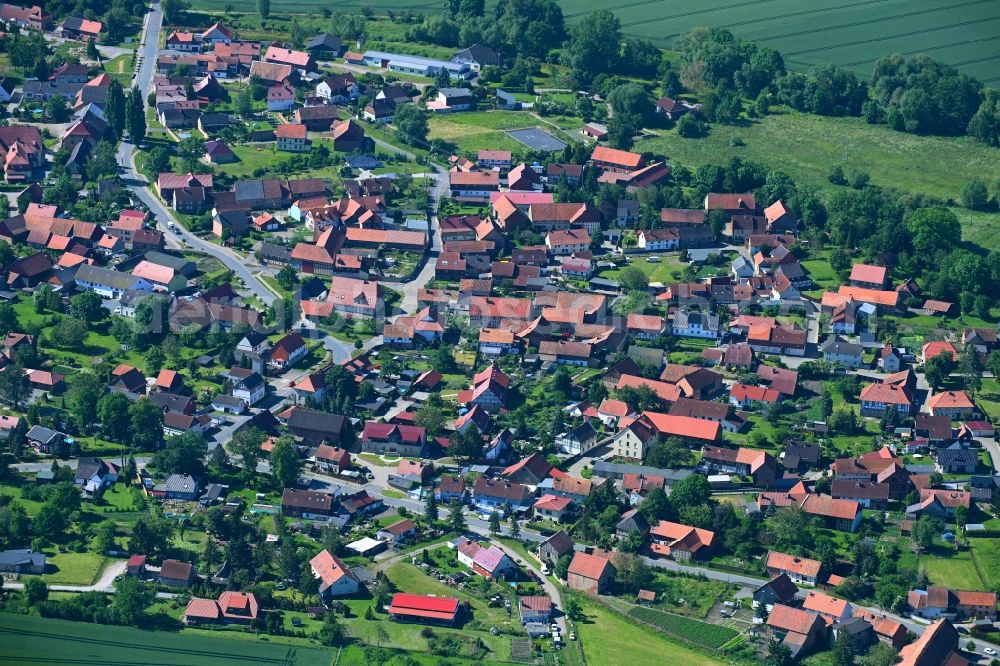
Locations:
column 990, row 651
column 544, row 570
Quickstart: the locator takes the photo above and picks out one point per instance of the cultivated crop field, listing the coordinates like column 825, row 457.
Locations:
column 28, row 639
column 853, row 33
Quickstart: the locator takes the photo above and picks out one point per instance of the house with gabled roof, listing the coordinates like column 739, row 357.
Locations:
column 530, row 470
column 489, row 390
column 492, row 494
column 679, row 542
column 798, row 630
column 335, row 578
column 799, row 569
column 742, row 461
column 778, row 590
column 590, row 573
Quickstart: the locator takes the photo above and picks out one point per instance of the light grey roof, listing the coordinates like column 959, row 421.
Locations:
column 105, row 277
column 414, row 61
column 709, row 322
column 180, row 483
column 168, row 260
column 450, row 93
column 249, row 190
column 227, row 400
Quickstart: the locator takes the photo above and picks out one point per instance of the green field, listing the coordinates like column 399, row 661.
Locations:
column 28, row 639
column 805, row 146
column 610, row 640
column 854, row 34
column 954, row 569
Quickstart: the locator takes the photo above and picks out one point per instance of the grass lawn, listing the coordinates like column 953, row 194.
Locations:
column 668, row 269
column 610, row 640
column 822, row 273
column 408, row 578
column 120, row 67
column 39, row 640
column 74, row 568
column 812, row 144
column 470, row 138
column 954, row 569
column 986, row 554
column 989, row 398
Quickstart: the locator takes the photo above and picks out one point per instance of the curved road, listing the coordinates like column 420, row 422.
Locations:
column 138, row 184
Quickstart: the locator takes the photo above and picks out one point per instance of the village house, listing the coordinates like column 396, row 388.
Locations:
column 491, row 494
column 760, row 465
column 680, row 542
column 778, row 590
column 798, row 630
column 335, row 578
column 308, row 504
column 231, row 608
column 799, row 569
column 391, row 438
column 590, row 573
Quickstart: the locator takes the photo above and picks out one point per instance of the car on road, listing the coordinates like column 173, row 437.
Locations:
column 990, row 651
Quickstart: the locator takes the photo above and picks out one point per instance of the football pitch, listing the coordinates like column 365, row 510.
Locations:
column 852, row 33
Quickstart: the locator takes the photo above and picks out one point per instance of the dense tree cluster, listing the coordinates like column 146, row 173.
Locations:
column 828, row 90
column 923, row 95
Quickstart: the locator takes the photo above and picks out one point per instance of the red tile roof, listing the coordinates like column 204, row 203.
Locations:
column 588, row 566
column 798, row 565
column 868, row 273
column 425, row 606
column 683, row 426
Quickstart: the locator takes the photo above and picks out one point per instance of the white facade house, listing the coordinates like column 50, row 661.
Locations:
column 696, row 325
column 417, row 66
column 657, row 240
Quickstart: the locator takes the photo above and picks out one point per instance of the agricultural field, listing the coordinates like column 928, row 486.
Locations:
column 854, row 34
column 30, row 639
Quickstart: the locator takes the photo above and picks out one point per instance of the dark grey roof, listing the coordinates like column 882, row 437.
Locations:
column 960, row 456
column 22, row 556
column 483, row 55
column 840, row 346
column 249, row 190
column 275, row 252
column 170, row 401
column 604, row 468
column 455, row 93
column 324, row 41
column 250, row 382
column 227, row 400
column 88, row 466
column 42, row 434
column 310, row 419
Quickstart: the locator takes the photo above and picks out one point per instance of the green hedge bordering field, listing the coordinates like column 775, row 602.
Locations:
column 712, row 636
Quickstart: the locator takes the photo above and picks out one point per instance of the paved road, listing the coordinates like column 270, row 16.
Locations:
column 426, row 274
column 140, row 186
